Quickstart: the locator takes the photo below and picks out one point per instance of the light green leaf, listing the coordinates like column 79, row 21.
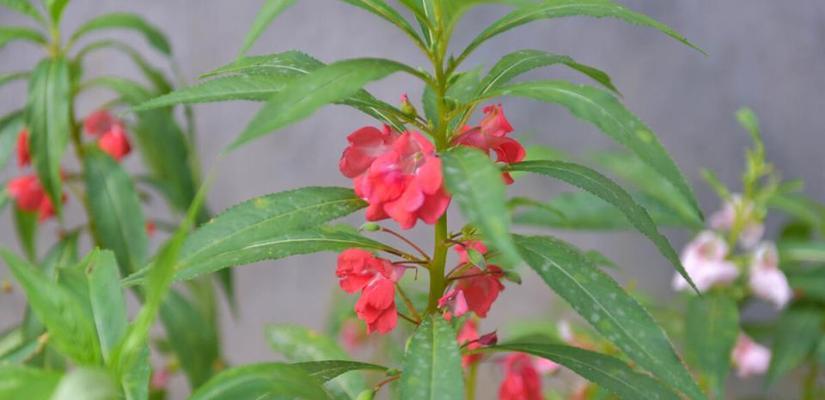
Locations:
column 265, row 16
column 801, row 328
column 606, row 371
column 86, row 384
column 115, row 210
column 10, row 34
column 13, row 76
column 55, row 9
column 608, row 114
column 327, row 370
column 24, row 7
column 192, row 336
column 608, row 308
column 302, row 96
column 432, row 364
column 21, row 382
column 548, row 9
column 49, row 121
column 711, row 329
column 297, row 343
column 521, row 61
column 126, row 21
column 607, row 190
column 262, row 381
column 108, row 303
column 799, row 251
column 70, row 325
column 257, row 87
column 476, row 183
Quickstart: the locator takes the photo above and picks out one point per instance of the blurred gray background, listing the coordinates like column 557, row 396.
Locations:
column 769, row 55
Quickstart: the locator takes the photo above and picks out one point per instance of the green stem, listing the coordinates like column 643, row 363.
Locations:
column 472, row 374
column 437, row 280
column 809, row 386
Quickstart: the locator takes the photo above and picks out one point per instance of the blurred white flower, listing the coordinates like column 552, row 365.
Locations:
column 704, row 261
column 565, row 331
column 724, row 219
column 750, row 358
column 766, row 279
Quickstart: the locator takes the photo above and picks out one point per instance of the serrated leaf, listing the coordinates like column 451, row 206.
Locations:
column 10, row 34
column 607, row 190
column 611, row 117
column 265, row 16
column 262, row 381
column 86, row 384
column 711, row 329
column 608, row 308
column 115, row 210
column 192, row 336
column 108, row 303
column 521, row 61
column 225, row 88
column 302, row 96
column 432, row 364
column 21, row 382
column 606, row 371
column 70, row 325
column 24, row 7
column 476, row 183
column 801, row 328
column 48, row 117
column 127, row 21
column 548, row 9
column 297, row 343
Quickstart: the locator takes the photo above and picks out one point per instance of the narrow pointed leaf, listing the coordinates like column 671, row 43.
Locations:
column 55, row 9
column 126, row 21
column 25, row 225
column 327, row 370
column 10, row 34
column 108, row 303
column 154, row 75
column 432, row 364
column 603, row 370
column 611, row 117
column 476, row 183
column 607, row 190
column 608, row 308
column 711, row 329
column 262, row 381
column 268, row 12
column 389, row 14
column 192, row 336
column 24, row 7
column 10, row 127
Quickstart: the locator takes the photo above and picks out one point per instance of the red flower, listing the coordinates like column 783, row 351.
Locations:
column 376, row 306
column 115, row 143
column 521, row 379
column 468, row 335
column 366, row 144
column 405, row 183
column 24, row 157
column 151, row 228
column 481, row 288
column 461, row 249
column 357, row 268
column 100, row 122
column 491, row 136
column 456, row 303
column 30, row 196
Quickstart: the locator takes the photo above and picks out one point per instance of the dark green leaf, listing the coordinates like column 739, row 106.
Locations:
column 432, row 364
column 192, row 336
column 126, row 21
column 86, row 384
column 108, row 304
column 801, row 328
column 10, row 127
column 607, row 190
column 711, row 329
column 154, row 75
column 20, row 382
column 25, row 224
column 608, row 372
column 606, row 112
column 49, row 121
column 262, row 381
column 10, row 34
column 808, row 283
column 257, row 87
column 476, row 183
column 267, row 13
column 608, row 308
column 389, row 14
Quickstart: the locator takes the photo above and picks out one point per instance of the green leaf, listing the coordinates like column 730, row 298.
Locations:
column 49, row 121
column 70, row 325
column 21, row 382
column 86, row 384
column 711, row 329
column 267, row 13
column 10, row 127
column 10, row 34
column 801, row 328
column 55, row 9
column 115, row 210
column 302, row 96
column 608, row 114
column 13, row 76
column 432, row 364
column 327, row 370
column 126, row 21
column 607, row 190
column 297, row 343
column 809, row 283
column 389, row 14
column 25, row 224
column 476, row 183
column 521, row 61
column 548, row 9
column 234, row 87
column 108, row 303
column 192, row 336
column 606, row 371
column 798, row 251
column 262, row 381
column 24, row 7
column 608, row 308
column 154, row 75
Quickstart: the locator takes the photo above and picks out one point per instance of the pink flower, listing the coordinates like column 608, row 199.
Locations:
column 521, row 379
column 480, row 288
column 115, row 143
column 461, row 249
column 491, row 137
column 750, row 358
column 30, row 196
column 468, row 335
column 365, row 145
column 766, row 280
column 151, row 228
column 704, row 261
column 352, row 335
column 160, row 379
column 405, row 183
column 376, row 306
column 24, row 157
column 357, row 268
column 455, row 302
column 100, row 122
column 725, row 219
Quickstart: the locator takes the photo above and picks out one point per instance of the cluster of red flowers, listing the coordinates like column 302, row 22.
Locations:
column 360, row 270
column 110, row 133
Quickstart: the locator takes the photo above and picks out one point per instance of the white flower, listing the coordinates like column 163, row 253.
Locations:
column 705, row 263
column 750, row 358
column 565, row 331
column 724, row 219
column 766, row 279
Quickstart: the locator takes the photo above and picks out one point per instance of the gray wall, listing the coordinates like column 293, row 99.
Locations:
column 767, row 54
